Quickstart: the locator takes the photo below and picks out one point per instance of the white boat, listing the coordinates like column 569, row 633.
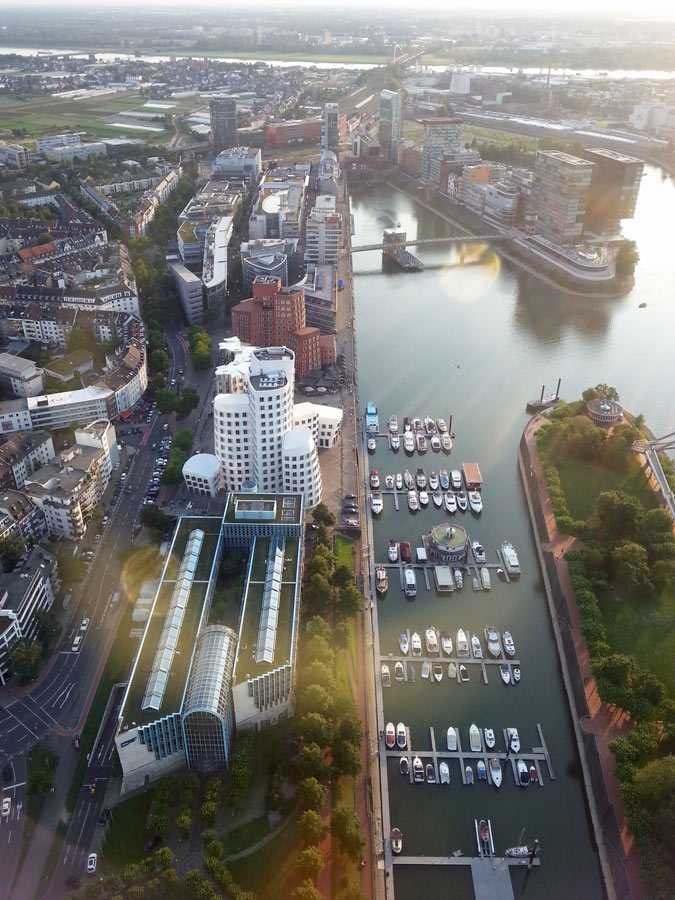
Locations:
column 374, row 480
column 443, row 479
column 390, row 735
column 408, row 480
column 463, row 673
column 431, row 774
column 429, row 425
column 431, row 639
column 518, row 852
column 403, row 643
column 426, row 669
column 474, row 739
column 475, row 583
column 435, row 442
column 462, row 502
column 476, row 648
column 450, row 502
column 446, row 643
column 462, row 644
column 514, row 740
column 475, row 502
column 482, row 771
column 496, row 773
column 523, row 773
column 451, row 738
column 381, row 580
column 446, row 442
column 505, row 673
column 392, row 552
column 444, row 772
column 489, row 738
column 511, row 560
column 395, row 442
column 433, row 481
column 418, row 770
column 372, row 445
column 468, row 774
column 376, row 503
column 442, row 427
column 452, row 670
column 404, row 765
column 408, row 442
column 485, row 578
column 386, row 677
column 410, row 584
column 459, row 579
column 401, row 736
column 424, row 499
column 413, row 502
column 516, row 674
column 437, row 497
column 509, row 646
column 399, row 671
column 492, row 638
column 398, row 481
column 396, row 841
column 478, row 552
column 456, row 479
column 437, row 671
column 415, row 644
column 389, row 482
column 421, row 443
column 393, row 425
column 420, row 479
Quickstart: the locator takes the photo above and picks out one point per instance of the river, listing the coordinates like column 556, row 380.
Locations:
column 478, row 341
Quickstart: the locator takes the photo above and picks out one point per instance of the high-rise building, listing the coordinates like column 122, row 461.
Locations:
column 460, row 83
column 440, row 135
column 615, row 183
column 323, row 232
column 391, row 121
column 560, row 195
column 330, row 128
column 223, row 123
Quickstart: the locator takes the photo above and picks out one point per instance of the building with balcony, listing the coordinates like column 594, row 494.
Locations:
column 323, row 233
column 21, row 454
column 560, row 196
column 440, row 136
column 19, row 376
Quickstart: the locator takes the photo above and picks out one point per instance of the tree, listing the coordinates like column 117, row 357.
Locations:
column 319, row 673
column 209, row 811
column 193, row 879
column 350, row 601
column 626, row 260
column 183, row 440
column 135, row 892
column 48, row 630
column 647, row 685
column 323, row 536
column 314, row 698
column 315, row 729
column 343, row 576
column 346, row 827
column 170, row 877
column 312, row 829
column 184, row 821
column 309, row 863
column 617, row 668
column 323, row 516
column 153, row 518
column 306, row 891
column 11, row 550
column 159, row 360
column 346, row 758
column 340, row 635
column 655, row 786
column 130, row 873
column 159, row 820
column 163, row 857
column 312, row 793
column 166, row 401
column 24, row 659
column 620, row 516
column 631, row 571
column 309, row 762
column 601, row 392
column 188, row 400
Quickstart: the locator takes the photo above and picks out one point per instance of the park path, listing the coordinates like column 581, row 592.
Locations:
column 606, row 721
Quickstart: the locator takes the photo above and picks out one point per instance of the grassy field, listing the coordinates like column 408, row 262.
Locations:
column 270, row 871
column 127, row 831
column 582, row 484
column 246, row 835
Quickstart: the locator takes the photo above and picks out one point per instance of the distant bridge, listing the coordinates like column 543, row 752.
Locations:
column 651, row 450
column 420, row 242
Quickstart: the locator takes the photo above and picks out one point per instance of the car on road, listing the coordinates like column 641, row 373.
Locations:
column 8, row 773
column 97, row 538
column 76, row 742
column 6, row 807
column 103, row 818
column 76, row 644
column 350, row 496
column 84, row 625
column 92, row 859
column 123, row 476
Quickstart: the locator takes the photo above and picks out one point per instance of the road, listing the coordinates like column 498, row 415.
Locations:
column 58, row 704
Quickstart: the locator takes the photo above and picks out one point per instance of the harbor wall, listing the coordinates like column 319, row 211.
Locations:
column 601, row 809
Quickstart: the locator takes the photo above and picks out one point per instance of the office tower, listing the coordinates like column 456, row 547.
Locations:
column 440, row 135
column 560, row 195
column 330, row 128
column 391, row 121
column 615, row 183
column 223, row 123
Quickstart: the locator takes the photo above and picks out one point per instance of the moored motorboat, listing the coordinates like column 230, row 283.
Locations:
column 405, row 551
column 482, row 771
column 372, row 445
column 443, row 479
column 398, row 481
column 421, row 443
column 501, row 574
column 533, row 775
column 484, row 831
column 489, row 738
column 399, row 671
column 462, row 502
column 509, row 646
column 468, row 774
column 463, row 673
column 450, row 502
column 459, row 579
column 381, row 580
column 408, row 480
column 462, row 644
column 452, row 670
column 424, row 499
column 478, row 552
column 409, row 442
column 523, row 774
column 485, row 578
column 475, row 502
column 452, row 739
column 496, row 772
column 435, row 442
column 518, row 852
column 396, row 841
column 429, row 425
column 437, row 497
column 420, row 479
column 505, row 672
column 410, row 582
column 431, row 774
column 413, row 502
column 416, row 644
column 441, row 426
column 475, row 583
column 393, row 425
column 392, row 551
column 403, row 643
column 476, row 648
column 401, row 736
column 389, row 482
column 511, row 561
column 390, row 735
column 492, row 638
column 426, row 669
column 407, row 424
column 374, row 479
column 437, row 671
column 456, row 479
column 444, row 772
column 418, row 770
column 433, row 481
column 446, row 442
column 376, row 503
column 395, row 441
column 404, row 766
column 446, row 643
column 514, row 740
column 474, row 739
column 386, row 677
column 515, row 674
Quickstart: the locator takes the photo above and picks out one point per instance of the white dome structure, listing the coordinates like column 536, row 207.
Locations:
column 202, row 474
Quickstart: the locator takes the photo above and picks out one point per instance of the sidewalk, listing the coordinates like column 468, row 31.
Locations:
column 606, row 722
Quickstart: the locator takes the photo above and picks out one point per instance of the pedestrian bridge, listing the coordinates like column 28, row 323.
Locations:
column 422, row 242
column 650, row 450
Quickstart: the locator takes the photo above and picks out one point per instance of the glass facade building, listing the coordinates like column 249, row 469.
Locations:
column 560, row 195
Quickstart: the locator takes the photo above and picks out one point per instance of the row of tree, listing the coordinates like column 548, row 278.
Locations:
column 200, row 347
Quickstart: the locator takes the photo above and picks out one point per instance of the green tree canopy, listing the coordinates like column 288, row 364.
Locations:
column 312, row 793
column 346, row 827
column 323, row 516
column 309, row 863
column 312, row 829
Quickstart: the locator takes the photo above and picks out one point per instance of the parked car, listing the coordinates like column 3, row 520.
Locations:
column 6, row 807
column 92, row 859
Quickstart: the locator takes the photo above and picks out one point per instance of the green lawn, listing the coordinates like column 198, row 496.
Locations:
column 128, row 832
column 344, row 551
column 582, row 484
column 245, row 836
column 270, row 871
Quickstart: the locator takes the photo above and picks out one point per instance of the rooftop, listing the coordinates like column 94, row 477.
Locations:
column 448, row 536
column 67, row 365
column 288, row 508
column 15, row 364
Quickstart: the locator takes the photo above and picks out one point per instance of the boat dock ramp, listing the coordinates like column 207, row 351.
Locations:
column 470, row 568
column 536, row 756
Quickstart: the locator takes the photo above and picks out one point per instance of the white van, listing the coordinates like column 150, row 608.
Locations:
column 76, row 644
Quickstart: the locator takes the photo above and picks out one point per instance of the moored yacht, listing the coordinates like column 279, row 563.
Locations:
column 429, row 425
column 452, row 671
column 513, row 739
column 390, row 735
column 409, row 442
column 393, row 425
column 404, row 765
column 401, row 736
column 482, row 771
column 523, row 773
column 420, row 479
column 442, row 427
column 433, row 481
column 371, row 444
column 462, row 502
column 418, row 770
column 496, row 773
column 405, row 551
column 408, row 480
column 505, row 672
column 456, row 479
column 424, row 499
column 437, row 671
column 478, row 552
column 403, row 643
column 485, row 578
column 392, row 551
column 489, row 736
column 381, row 580
column 386, row 677
column 415, row 644
column 459, row 579
column 509, row 646
column 410, row 582
column 376, row 503
column 450, row 502
column 475, row 502
column 431, row 639
column 396, row 841
column 474, row 739
column 435, row 442
column 389, row 482
column 462, row 644
column 426, row 669
column 398, row 481
column 511, row 560
column 437, row 497
column 413, row 502
column 446, row 442
column 395, row 442
column 476, row 648
column 443, row 479
column 444, row 772
column 492, row 638
column 446, row 643
column 374, row 479
column 468, row 774
column 431, row 774
column 399, row 671
column 421, row 443
column 407, row 424
column 452, row 738
column 463, row 673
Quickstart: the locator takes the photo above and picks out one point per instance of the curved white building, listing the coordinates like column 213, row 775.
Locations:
column 202, row 474
column 231, row 439
column 270, row 392
column 302, row 473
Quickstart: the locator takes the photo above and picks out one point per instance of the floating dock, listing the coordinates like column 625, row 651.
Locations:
column 394, row 249
column 544, row 402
